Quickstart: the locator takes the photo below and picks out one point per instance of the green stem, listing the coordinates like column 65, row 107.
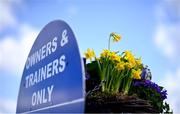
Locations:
column 109, row 42
column 107, row 77
column 111, row 79
column 128, row 84
column 104, row 75
column 99, row 66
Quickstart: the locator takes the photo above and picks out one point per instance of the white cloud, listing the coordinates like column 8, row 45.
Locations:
column 167, row 39
column 7, row 106
column 171, row 83
column 7, row 17
column 167, row 35
column 13, row 51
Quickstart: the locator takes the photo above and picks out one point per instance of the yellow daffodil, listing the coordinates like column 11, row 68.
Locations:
column 116, row 37
column 114, row 57
column 120, row 66
column 89, row 54
column 128, row 54
column 105, row 53
column 138, row 61
column 128, row 65
column 136, row 74
column 132, row 61
column 130, row 57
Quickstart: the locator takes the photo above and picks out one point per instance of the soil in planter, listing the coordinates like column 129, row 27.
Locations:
column 101, row 102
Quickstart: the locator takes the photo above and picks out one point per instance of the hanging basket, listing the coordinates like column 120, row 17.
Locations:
column 99, row 102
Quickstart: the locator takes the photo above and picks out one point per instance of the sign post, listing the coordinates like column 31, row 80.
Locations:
column 53, row 76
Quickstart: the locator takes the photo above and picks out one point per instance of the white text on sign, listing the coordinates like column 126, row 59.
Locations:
column 47, row 71
column 42, row 96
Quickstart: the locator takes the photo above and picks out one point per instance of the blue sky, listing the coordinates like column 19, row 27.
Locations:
column 150, row 29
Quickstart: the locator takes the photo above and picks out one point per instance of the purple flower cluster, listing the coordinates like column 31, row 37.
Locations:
column 152, row 85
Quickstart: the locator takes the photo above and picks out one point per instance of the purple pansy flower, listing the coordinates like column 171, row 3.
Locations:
column 152, row 85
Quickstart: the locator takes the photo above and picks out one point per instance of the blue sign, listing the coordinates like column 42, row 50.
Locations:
column 52, row 79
